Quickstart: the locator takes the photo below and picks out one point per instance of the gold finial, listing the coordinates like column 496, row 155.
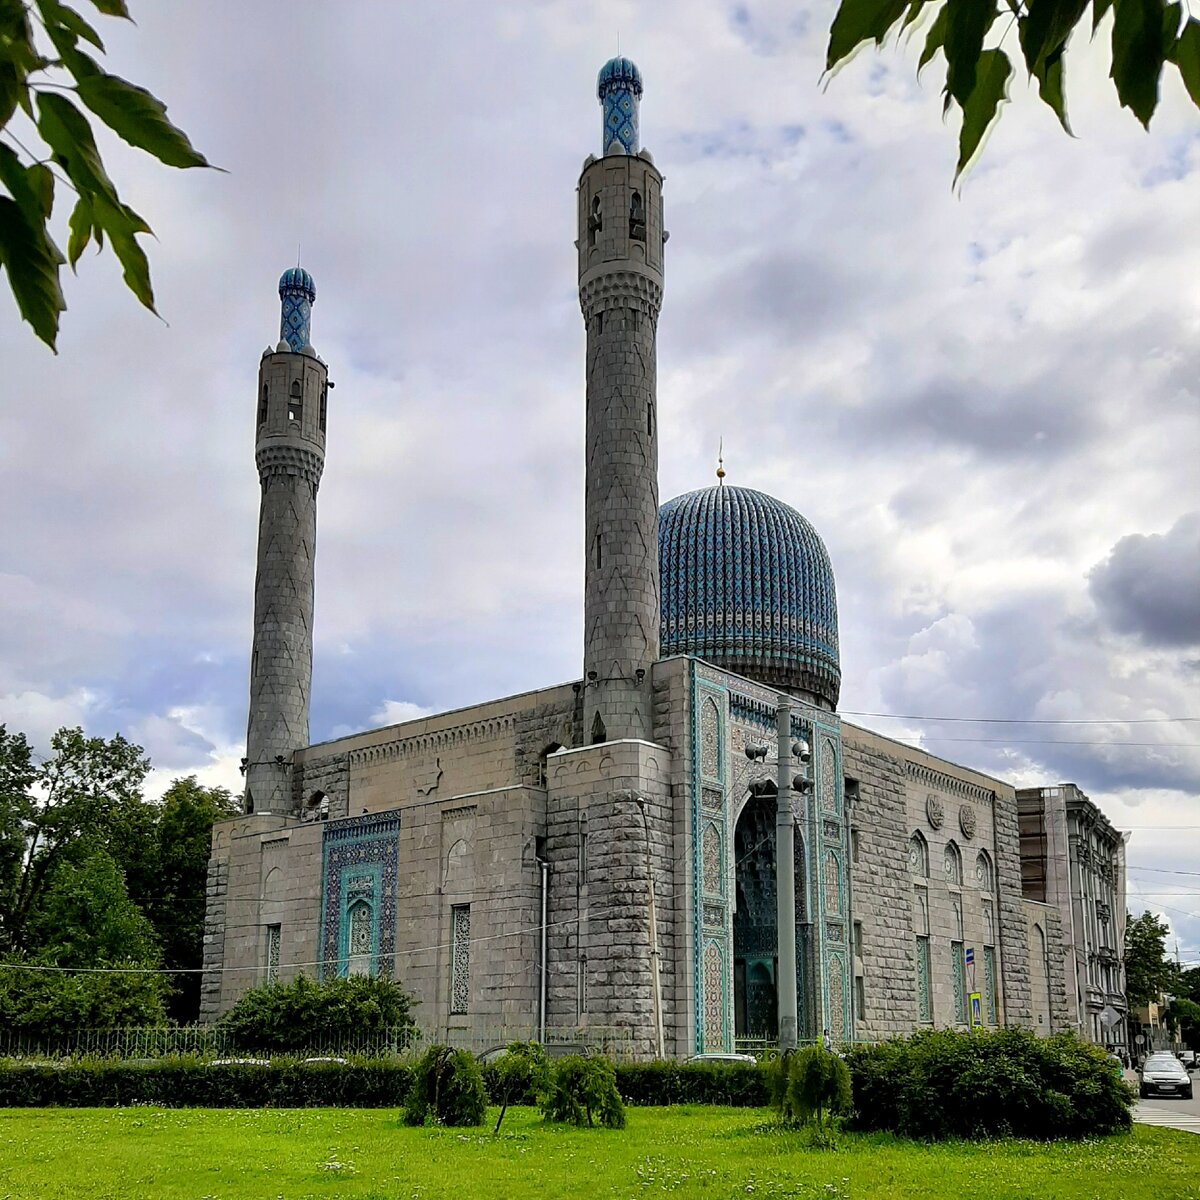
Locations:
column 721, row 463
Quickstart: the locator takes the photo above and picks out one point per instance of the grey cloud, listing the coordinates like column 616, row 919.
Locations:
column 1149, row 585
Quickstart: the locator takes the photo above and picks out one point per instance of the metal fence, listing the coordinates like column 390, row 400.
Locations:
column 211, row 1041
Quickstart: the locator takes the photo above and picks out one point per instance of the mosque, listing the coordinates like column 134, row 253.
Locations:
column 682, row 851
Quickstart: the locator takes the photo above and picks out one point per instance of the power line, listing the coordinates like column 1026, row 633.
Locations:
column 1162, row 870
column 850, row 712
column 933, row 737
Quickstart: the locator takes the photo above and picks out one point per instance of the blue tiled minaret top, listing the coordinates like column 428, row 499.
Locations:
column 747, row 585
column 620, row 89
column 297, row 294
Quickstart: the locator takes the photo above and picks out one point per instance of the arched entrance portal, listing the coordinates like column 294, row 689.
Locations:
column 755, row 922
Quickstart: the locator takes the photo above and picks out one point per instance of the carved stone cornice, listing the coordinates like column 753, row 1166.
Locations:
column 286, row 458
column 620, row 288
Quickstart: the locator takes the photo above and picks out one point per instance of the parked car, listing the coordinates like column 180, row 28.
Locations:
column 748, row 1059
column 1188, row 1058
column 1162, row 1074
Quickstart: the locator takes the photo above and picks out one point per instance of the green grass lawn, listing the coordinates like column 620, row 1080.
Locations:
column 356, row 1154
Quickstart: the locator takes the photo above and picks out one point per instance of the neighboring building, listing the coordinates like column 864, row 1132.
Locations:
column 598, row 860
column 1073, row 862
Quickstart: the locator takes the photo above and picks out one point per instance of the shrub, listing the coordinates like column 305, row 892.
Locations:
column 945, row 1084
column 734, row 1084
column 447, row 1089
column 184, row 1082
column 583, row 1091
column 307, row 1014
column 520, row 1076
column 809, row 1085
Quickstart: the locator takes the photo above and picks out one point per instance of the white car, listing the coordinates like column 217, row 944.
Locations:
column 1162, row 1074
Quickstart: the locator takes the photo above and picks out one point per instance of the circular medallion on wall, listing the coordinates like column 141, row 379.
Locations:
column 966, row 820
column 934, row 811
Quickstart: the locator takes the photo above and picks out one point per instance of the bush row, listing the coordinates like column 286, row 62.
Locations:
column 943, row 1084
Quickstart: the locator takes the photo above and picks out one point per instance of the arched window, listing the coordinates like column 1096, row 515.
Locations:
column 918, row 856
column 295, row 402
column 985, row 873
column 358, row 956
column 952, row 865
column 262, row 407
column 637, row 218
column 324, row 399
column 595, row 221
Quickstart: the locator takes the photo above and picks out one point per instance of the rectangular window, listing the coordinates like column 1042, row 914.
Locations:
column 860, row 998
column 858, row 939
column 924, row 995
column 990, row 999
column 854, row 846
column 958, row 966
column 581, row 987
column 273, row 939
column 460, row 958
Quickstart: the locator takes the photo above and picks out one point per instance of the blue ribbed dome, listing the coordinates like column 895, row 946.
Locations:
column 747, row 585
column 297, row 279
column 620, row 73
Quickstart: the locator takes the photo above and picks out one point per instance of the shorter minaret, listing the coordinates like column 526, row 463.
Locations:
column 620, row 248
column 289, row 450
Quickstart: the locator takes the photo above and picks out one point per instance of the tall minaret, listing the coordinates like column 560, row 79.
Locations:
column 620, row 292
column 289, row 450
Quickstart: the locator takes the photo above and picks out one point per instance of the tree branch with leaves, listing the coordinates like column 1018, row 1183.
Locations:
column 47, row 81
column 1147, row 36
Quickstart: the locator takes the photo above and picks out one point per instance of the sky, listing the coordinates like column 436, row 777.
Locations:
column 984, row 398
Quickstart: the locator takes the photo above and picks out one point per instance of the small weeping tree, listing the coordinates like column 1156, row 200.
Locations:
column 811, row 1087
column 521, row 1076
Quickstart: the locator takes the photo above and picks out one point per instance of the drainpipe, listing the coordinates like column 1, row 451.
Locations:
column 544, row 865
column 785, row 881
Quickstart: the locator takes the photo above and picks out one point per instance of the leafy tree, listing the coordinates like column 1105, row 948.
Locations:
column 447, row 1089
column 521, row 1071
column 86, row 918
column 1188, row 984
column 584, row 1091
column 168, row 880
column 41, row 45
column 307, row 1015
column 1184, row 1015
column 811, row 1086
column 56, row 812
column 41, row 1006
column 1148, row 971
column 971, row 36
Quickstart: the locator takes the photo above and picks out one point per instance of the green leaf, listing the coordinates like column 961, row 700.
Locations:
column 66, row 131
column 1172, row 15
column 1050, row 87
column 32, row 188
column 121, row 223
column 914, row 11
column 12, row 88
column 113, row 8
column 1187, row 58
column 80, row 226
column 935, row 39
column 60, row 14
column 967, row 22
column 1044, row 29
column 140, row 119
column 1099, row 9
column 32, row 260
column 1137, row 54
column 858, row 21
column 990, row 90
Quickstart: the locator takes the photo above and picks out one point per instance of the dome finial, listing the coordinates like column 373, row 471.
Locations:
column 721, row 463
column 619, row 88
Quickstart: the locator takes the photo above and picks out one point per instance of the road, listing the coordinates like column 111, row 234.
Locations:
column 1176, row 1114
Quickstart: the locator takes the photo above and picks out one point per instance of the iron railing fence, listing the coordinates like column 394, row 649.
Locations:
column 214, row 1042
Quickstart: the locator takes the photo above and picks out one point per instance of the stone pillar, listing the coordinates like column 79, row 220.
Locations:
column 620, row 292
column 290, row 455
column 785, row 880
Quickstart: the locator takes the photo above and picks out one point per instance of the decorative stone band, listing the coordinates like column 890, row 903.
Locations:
column 288, row 459
column 442, row 739
column 620, row 289
column 948, row 783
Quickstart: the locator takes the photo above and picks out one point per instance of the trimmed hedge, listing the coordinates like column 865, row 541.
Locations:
column 189, row 1083
column 1011, row 1083
column 736, row 1085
